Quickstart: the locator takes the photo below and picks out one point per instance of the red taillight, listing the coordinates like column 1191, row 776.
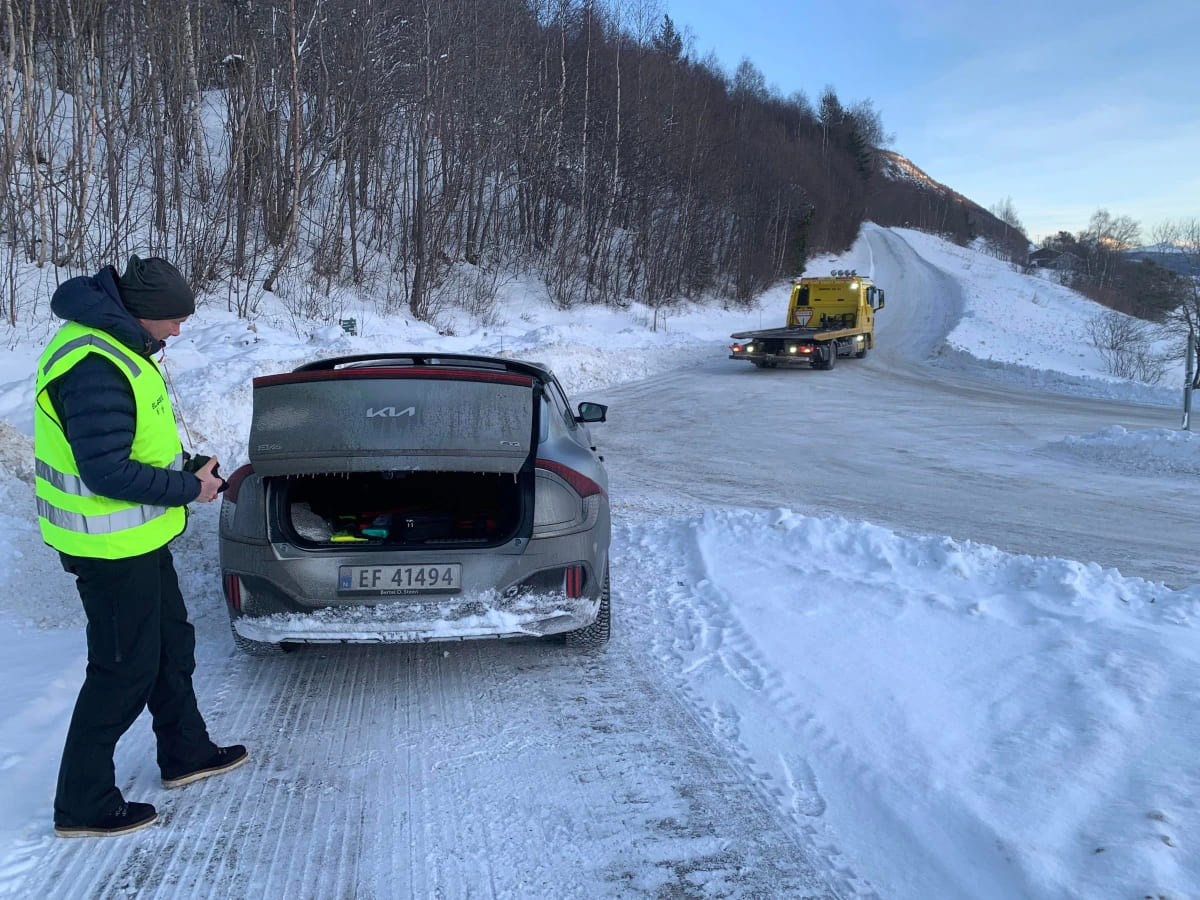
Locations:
column 573, row 581
column 583, row 485
column 234, row 483
column 233, row 592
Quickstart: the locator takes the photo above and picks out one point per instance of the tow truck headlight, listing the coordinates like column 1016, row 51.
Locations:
column 791, row 349
column 749, row 348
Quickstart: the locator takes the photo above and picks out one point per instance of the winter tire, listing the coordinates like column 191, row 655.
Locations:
column 828, row 363
column 594, row 636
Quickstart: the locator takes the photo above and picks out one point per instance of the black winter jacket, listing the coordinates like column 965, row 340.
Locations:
column 96, row 406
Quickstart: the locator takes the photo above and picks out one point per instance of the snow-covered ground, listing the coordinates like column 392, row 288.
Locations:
column 795, row 703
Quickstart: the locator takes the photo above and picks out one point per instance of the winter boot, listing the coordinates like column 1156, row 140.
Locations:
column 224, row 760
column 125, row 818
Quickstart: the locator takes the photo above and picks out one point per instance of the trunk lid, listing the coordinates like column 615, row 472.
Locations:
column 398, row 418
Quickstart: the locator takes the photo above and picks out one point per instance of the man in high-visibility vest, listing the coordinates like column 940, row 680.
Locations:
column 111, row 495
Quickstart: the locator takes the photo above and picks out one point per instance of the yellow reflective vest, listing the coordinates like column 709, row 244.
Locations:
column 73, row 519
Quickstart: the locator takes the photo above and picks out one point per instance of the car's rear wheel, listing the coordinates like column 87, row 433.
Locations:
column 255, row 648
column 594, row 636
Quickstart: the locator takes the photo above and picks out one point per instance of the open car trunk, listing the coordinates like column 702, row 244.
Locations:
column 403, row 510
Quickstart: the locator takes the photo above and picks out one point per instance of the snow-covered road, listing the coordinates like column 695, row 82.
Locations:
column 477, row 769
column 892, row 440
column 524, row 771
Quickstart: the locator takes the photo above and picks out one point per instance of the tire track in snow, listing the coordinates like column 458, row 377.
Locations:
column 689, row 604
column 782, row 743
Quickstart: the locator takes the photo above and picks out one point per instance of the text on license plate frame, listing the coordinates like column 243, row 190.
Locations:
column 400, row 580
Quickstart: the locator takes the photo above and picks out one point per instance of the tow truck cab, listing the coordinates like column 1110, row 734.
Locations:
column 842, row 300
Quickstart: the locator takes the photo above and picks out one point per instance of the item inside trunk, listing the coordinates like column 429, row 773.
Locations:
column 403, row 509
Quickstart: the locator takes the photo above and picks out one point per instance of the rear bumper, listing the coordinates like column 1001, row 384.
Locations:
column 407, row 622
column 525, row 591
column 783, row 359
column 279, row 594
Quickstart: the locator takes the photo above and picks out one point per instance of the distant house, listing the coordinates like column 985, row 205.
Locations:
column 1060, row 260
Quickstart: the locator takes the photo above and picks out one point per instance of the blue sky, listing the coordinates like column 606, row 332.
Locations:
column 1065, row 106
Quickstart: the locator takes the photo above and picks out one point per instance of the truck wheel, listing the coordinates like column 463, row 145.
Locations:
column 832, row 361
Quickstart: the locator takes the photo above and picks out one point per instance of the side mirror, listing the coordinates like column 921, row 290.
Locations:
column 592, row 412
column 880, row 306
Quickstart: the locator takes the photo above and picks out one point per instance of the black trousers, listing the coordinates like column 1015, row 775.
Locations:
column 141, row 652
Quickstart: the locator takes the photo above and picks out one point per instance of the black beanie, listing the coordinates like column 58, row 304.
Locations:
column 154, row 289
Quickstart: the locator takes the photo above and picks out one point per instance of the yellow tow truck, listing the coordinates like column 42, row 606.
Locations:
column 828, row 317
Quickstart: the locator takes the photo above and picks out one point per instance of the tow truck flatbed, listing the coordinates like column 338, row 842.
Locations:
column 795, row 332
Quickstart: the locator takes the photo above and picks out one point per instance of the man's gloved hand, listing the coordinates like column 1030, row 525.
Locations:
column 205, row 468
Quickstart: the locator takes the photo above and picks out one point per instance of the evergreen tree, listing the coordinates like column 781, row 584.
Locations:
column 831, row 114
column 668, row 41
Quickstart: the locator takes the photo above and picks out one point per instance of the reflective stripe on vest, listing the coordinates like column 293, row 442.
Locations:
column 93, row 340
column 73, row 518
column 108, row 523
column 73, row 484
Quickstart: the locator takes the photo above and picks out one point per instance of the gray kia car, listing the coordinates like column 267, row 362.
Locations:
column 410, row 497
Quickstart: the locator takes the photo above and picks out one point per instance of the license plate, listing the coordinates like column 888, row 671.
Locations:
column 384, row 580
